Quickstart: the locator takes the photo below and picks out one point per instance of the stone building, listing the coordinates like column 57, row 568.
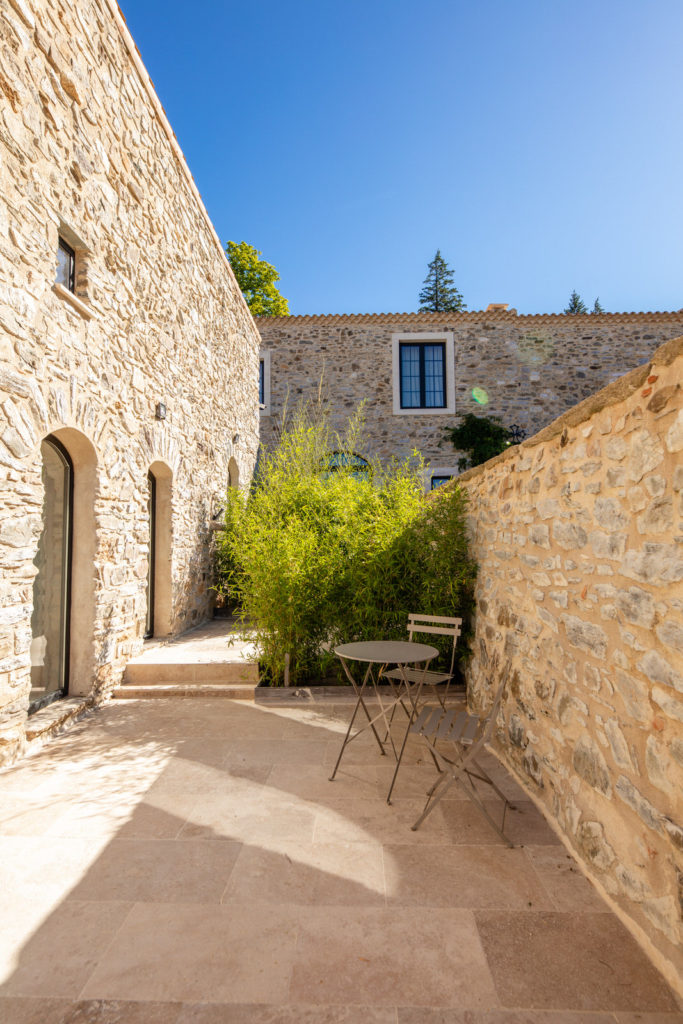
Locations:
column 420, row 371
column 128, row 364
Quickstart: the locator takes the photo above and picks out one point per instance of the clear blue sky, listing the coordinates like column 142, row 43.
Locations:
column 537, row 143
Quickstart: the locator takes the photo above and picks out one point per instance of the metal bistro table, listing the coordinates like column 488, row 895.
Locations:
column 383, row 652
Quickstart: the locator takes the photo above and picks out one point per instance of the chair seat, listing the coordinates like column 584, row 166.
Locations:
column 417, row 675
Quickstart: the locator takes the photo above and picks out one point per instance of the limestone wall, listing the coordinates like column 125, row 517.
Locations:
column 527, row 369
column 578, row 537
column 86, row 152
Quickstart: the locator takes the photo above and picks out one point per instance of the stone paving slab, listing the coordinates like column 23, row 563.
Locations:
column 219, row 640
column 188, row 862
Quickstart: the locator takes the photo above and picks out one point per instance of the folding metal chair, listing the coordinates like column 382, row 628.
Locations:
column 442, row 625
column 468, row 734
column 408, row 682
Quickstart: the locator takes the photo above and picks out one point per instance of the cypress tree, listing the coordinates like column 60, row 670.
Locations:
column 439, row 294
column 576, row 304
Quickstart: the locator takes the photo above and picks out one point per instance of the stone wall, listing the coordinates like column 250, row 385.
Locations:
column 578, row 537
column 86, row 152
column 527, row 369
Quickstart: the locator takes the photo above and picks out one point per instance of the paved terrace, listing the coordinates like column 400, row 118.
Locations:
column 187, row 862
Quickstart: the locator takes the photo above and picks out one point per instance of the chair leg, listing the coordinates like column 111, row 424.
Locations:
column 484, row 777
column 444, row 783
column 474, row 796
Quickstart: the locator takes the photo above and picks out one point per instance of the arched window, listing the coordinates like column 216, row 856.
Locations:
column 51, row 618
column 347, row 461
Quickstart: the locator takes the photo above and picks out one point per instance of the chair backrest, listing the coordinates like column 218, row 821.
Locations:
column 444, row 625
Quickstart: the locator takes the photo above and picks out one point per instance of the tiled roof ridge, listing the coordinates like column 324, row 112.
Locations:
column 478, row 314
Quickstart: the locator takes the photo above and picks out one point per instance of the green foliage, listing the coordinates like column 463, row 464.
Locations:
column 576, row 304
column 482, row 437
column 256, row 279
column 597, row 308
column 439, row 294
column 319, row 558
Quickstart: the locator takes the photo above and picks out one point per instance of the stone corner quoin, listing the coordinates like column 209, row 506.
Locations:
column 150, row 363
column 578, row 537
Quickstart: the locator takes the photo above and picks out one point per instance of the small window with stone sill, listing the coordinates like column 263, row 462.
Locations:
column 72, row 271
column 66, row 266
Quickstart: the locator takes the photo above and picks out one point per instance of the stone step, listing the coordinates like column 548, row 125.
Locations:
column 190, row 673
column 130, row 691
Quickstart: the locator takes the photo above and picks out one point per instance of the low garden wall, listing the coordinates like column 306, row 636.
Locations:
column 577, row 533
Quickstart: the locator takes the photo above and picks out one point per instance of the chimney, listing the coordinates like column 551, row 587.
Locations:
column 497, row 307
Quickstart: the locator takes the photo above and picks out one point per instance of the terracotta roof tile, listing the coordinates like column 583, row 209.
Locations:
column 464, row 318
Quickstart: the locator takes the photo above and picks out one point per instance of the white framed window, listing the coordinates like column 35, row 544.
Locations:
column 264, row 383
column 423, row 374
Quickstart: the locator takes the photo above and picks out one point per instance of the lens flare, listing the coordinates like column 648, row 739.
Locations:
column 535, row 348
column 480, row 396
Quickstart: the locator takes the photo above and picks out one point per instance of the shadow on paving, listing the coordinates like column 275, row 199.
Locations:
column 189, row 861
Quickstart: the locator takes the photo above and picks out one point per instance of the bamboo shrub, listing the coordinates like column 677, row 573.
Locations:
column 316, row 557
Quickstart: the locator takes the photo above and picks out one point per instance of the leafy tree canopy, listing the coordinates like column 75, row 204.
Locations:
column 439, row 294
column 256, row 279
column 576, row 304
column 482, row 437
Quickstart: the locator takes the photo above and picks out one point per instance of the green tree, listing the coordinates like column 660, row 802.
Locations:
column 576, row 304
column 256, row 279
column 439, row 294
column 597, row 308
column 481, row 437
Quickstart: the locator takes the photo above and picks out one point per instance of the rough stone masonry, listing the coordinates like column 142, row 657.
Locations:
column 155, row 323
column 578, row 534
column 526, row 370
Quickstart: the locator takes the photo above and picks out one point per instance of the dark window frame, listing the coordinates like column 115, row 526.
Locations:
column 262, row 382
column 422, row 346
column 63, row 691
column 152, row 558
column 439, row 479
column 71, row 254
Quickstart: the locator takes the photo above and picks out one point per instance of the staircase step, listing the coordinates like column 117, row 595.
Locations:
column 130, row 691
column 164, row 673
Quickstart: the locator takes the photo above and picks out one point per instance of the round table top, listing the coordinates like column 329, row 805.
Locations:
column 386, row 652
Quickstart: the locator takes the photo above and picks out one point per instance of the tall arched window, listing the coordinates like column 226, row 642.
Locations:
column 52, row 584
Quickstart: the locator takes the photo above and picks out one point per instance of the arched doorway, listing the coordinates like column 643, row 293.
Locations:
column 62, row 623
column 159, row 569
column 51, row 618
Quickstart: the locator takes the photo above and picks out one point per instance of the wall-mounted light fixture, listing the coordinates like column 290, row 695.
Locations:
column 160, row 412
